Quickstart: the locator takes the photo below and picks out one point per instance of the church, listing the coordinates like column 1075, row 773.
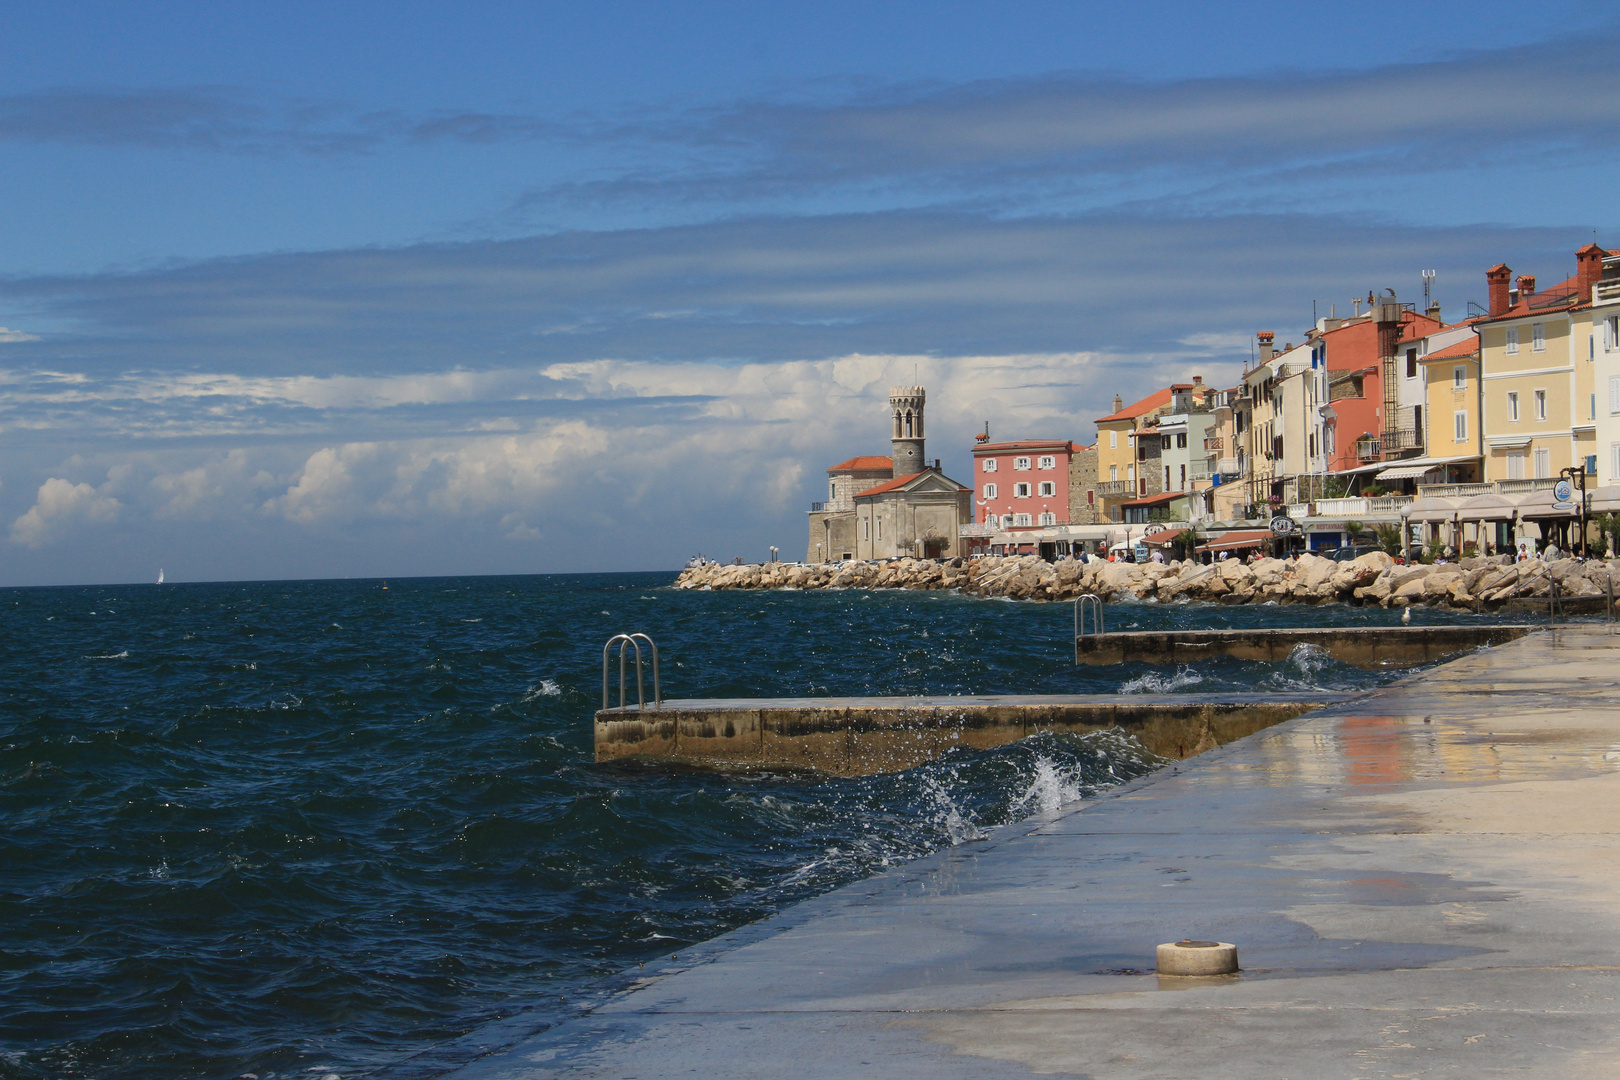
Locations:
column 894, row 506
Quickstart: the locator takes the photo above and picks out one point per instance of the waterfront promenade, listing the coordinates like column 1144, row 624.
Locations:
column 1421, row 882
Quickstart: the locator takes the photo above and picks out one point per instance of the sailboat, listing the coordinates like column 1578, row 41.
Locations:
column 160, row 575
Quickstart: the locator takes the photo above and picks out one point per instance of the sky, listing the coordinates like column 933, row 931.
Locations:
column 335, row 289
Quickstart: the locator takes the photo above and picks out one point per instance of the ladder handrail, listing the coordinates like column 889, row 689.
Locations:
column 1089, row 602
column 626, row 642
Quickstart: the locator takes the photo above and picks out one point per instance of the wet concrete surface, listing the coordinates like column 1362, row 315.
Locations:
column 1421, row 882
column 1366, row 647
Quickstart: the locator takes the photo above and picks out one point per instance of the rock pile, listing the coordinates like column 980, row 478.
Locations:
column 1477, row 584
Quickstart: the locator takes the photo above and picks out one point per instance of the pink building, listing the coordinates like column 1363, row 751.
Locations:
column 1022, row 484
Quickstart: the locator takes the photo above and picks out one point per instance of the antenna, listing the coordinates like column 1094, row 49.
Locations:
column 1428, row 282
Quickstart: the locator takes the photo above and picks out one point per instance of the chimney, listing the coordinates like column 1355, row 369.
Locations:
column 1266, row 338
column 1588, row 271
column 1527, row 286
column 1433, row 311
column 1198, row 380
column 1119, row 403
column 1496, row 282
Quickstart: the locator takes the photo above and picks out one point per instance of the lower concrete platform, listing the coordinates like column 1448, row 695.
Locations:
column 861, row 736
column 1422, row 882
column 1366, row 647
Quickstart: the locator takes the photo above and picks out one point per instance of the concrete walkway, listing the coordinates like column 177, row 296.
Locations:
column 1423, row 882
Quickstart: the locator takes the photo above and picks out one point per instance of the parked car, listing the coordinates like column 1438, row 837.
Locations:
column 1353, row 552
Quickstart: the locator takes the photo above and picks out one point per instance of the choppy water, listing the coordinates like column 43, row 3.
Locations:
column 300, row 829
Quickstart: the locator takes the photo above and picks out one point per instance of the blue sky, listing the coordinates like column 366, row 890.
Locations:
column 310, row 290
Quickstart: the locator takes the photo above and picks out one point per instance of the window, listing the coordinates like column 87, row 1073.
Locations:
column 1591, row 464
column 1181, row 440
column 880, row 528
column 866, row 528
column 1130, row 474
column 1310, row 442
column 1164, row 442
column 1411, row 363
column 832, row 490
column 1459, row 377
column 1183, row 486
column 1459, row 425
column 1614, row 395
column 989, row 491
column 1593, row 406
column 989, row 464
column 1021, row 463
column 1167, row 478
column 1048, row 519
column 1113, row 470
column 1538, row 337
column 1515, row 464
column 1513, row 406
column 1020, row 491
column 1611, row 335
column 1113, row 440
column 1541, row 404
column 1512, row 340
column 1047, row 487
column 1091, row 496
column 1614, row 461
column 1047, row 463
column 1543, row 464
column 1021, row 519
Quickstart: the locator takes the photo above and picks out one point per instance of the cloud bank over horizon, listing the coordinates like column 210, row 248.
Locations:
column 658, row 347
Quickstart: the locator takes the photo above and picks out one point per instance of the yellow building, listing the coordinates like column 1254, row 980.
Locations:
column 1120, row 475
column 1540, row 404
column 1451, row 395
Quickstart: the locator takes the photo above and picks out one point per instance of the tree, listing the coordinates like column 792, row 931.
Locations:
column 1353, row 529
column 1389, row 538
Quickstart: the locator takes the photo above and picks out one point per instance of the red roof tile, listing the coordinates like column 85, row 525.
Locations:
column 1146, row 405
column 1465, row 347
column 1025, row 444
column 901, row 481
column 864, row 464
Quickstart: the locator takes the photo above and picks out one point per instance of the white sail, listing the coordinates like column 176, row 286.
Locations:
column 160, row 575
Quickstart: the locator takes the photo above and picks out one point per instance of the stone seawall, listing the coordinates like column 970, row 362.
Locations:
column 1481, row 584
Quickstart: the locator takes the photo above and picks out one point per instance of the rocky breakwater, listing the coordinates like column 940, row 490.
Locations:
column 1476, row 584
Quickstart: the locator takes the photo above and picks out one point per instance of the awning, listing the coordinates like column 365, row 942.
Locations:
column 1541, row 504
column 1487, row 508
column 1433, row 508
column 1408, row 472
column 1603, row 500
column 1233, row 541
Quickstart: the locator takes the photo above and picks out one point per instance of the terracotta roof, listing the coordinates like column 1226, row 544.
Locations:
column 1238, row 539
column 1146, row 405
column 1026, row 444
column 901, row 481
column 1465, row 347
column 1557, row 297
column 864, row 464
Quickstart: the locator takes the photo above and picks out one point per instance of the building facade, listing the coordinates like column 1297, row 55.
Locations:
column 888, row 507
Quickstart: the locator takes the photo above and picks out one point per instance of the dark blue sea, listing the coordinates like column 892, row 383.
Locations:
column 330, row 828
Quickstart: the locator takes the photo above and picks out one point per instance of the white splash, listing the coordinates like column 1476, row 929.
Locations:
column 547, row 688
column 110, row 656
column 1154, row 683
column 1049, row 789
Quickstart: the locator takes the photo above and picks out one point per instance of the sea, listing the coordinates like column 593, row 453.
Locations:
column 336, row 829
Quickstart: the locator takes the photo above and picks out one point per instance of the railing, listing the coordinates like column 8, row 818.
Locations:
column 1114, row 487
column 1199, row 472
column 1090, row 604
column 1455, row 491
column 624, row 642
column 1522, row 487
column 1606, row 291
column 1233, row 467
column 1404, row 439
column 1214, row 444
column 1552, row 299
column 818, row 507
column 1368, row 449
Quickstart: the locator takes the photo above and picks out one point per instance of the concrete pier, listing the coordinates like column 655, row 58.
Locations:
column 862, row 736
column 1366, row 647
column 1421, row 881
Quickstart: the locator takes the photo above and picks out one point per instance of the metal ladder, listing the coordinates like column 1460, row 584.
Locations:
column 625, row 642
column 1091, row 603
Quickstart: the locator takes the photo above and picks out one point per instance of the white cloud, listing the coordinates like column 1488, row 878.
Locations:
column 9, row 336
column 61, row 505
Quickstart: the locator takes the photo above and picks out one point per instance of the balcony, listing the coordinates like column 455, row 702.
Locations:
column 1524, row 487
column 1369, row 449
column 1231, row 469
column 1362, row 507
column 1405, row 439
column 820, row 507
column 1215, row 444
column 1455, row 491
column 1606, row 292
column 1114, row 487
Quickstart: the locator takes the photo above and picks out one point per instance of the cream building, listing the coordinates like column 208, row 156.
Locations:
column 1451, row 401
column 1603, row 342
column 1537, row 361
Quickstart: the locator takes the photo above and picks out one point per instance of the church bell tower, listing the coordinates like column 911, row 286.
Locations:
column 906, row 407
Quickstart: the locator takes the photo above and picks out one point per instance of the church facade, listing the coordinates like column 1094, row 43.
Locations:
column 894, row 506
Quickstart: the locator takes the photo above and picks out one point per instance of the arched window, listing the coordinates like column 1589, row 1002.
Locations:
column 908, row 424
